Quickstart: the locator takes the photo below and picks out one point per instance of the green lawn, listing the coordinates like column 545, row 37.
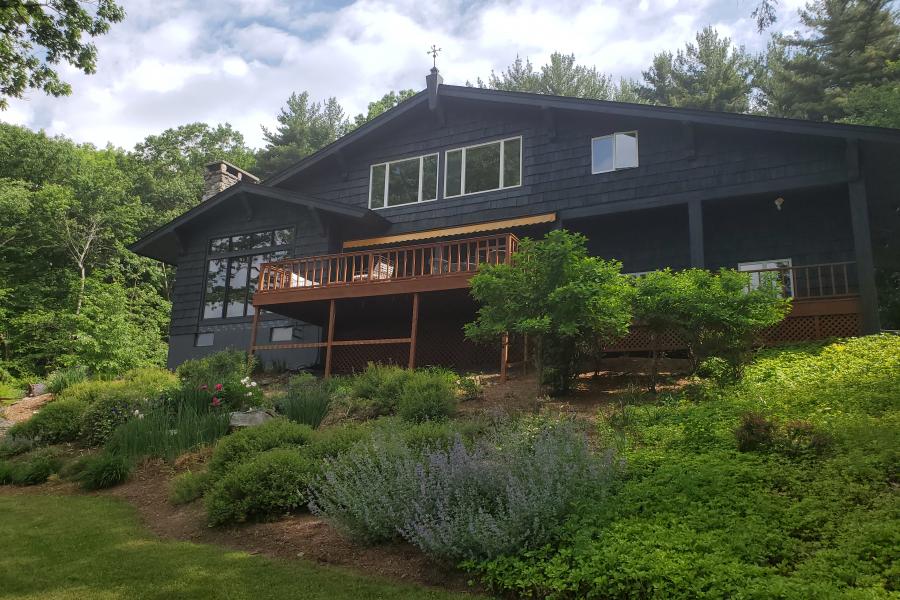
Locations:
column 54, row 547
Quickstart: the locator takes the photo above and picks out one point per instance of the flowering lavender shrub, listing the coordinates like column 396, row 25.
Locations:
column 367, row 490
column 506, row 492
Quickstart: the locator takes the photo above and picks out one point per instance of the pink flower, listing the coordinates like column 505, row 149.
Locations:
column 204, row 387
column 216, row 401
column 218, row 387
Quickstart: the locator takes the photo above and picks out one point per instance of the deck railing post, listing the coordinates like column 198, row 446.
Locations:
column 414, row 330
column 256, row 311
column 329, row 344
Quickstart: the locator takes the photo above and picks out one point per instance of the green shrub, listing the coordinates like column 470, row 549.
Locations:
column 814, row 517
column 61, row 379
column 272, row 483
column 332, row 441
column 227, row 375
column 470, row 388
column 215, row 368
column 111, row 403
column 188, row 486
column 103, row 471
column 377, row 389
column 10, row 390
column 244, row 444
column 12, row 446
column 36, row 468
column 426, row 396
column 167, row 433
column 6, row 472
column 58, row 421
column 306, row 401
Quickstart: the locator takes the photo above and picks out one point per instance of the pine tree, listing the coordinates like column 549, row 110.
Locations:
column 562, row 76
column 850, row 44
column 303, row 128
column 713, row 75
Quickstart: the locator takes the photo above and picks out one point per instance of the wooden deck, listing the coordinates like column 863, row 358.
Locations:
column 430, row 267
column 825, row 296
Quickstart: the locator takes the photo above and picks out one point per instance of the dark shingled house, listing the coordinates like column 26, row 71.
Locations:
column 363, row 250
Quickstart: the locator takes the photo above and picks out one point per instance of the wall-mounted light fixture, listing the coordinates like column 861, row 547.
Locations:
column 778, row 202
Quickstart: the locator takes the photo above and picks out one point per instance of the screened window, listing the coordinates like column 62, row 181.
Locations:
column 403, row 181
column 231, row 278
column 613, row 152
column 483, row 168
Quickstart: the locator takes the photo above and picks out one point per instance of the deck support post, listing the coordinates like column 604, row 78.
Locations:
column 253, row 330
column 504, row 356
column 330, row 342
column 413, row 331
column 865, row 264
column 695, row 231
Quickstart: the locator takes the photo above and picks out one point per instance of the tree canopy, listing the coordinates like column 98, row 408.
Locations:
column 711, row 74
column 848, row 44
column 35, row 37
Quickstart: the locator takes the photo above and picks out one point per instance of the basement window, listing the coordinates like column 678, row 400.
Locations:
column 483, row 168
column 202, row 340
column 281, row 334
column 614, row 152
column 404, row 181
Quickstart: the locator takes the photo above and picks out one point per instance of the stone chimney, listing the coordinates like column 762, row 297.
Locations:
column 221, row 175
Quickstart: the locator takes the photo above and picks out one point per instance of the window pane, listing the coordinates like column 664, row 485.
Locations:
column 204, row 339
column 215, row 289
column 242, row 242
column 260, row 240
column 512, row 162
column 429, row 177
column 483, row 168
column 626, row 150
column 237, row 286
column 283, row 237
column 454, row 173
column 602, row 155
column 403, row 182
column 281, row 334
column 219, row 245
column 376, row 193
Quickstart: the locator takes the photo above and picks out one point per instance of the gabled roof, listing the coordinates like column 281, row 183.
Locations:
column 645, row 111
column 164, row 244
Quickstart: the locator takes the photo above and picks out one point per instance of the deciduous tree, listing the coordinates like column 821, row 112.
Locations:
column 35, row 37
column 559, row 296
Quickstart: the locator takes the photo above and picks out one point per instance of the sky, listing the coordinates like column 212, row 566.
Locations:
column 172, row 62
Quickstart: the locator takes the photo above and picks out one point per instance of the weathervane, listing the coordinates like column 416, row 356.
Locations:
column 434, row 52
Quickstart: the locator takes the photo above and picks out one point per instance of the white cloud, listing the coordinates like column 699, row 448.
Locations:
column 238, row 60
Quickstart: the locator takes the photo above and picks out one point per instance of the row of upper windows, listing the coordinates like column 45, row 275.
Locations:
column 480, row 168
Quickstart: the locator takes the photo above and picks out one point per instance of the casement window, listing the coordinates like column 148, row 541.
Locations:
column 772, row 272
column 614, row 152
column 483, row 168
column 232, row 271
column 404, row 181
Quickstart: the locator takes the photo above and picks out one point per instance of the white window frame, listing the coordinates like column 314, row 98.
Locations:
column 613, row 135
column 387, row 165
column 760, row 264
column 462, row 175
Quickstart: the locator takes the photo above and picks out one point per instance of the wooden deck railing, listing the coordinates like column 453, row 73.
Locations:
column 402, row 263
column 813, row 282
